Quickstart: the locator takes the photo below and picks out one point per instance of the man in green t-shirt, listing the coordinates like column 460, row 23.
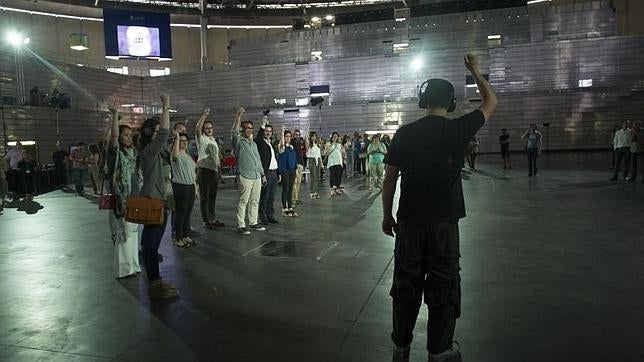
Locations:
column 376, row 151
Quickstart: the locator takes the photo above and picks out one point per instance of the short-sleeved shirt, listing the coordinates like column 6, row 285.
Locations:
column 533, row 140
column 183, row 169
column 208, row 151
column 429, row 153
column 80, row 154
column 378, row 157
column 335, row 155
column 14, row 156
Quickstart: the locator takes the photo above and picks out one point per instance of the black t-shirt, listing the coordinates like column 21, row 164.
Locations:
column 503, row 138
column 28, row 168
column 430, row 153
column 59, row 157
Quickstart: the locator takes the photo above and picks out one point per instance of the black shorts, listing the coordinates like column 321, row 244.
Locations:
column 505, row 152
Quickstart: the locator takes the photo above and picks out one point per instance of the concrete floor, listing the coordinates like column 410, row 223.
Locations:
column 552, row 271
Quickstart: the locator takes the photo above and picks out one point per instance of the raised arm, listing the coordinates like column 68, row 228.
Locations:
column 281, row 147
column 112, row 132
column 175, row 145
column 199, row 125
column 234, row 131
column 165, row 117
column 490, row 101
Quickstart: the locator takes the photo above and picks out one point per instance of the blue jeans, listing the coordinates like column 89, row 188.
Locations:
column 150, row 241
column 79, row 179
column 532, row 160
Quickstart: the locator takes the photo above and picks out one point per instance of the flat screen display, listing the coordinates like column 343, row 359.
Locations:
column 138, row 41
column 137, row 34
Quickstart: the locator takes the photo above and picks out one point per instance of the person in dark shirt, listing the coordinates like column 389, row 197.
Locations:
column 504, row 141
column 428, row 154
column 59, row 156
column 27, row 167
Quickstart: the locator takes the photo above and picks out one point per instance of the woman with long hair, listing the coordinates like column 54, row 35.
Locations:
column 314, row 161
column 153, row 160
column 287, row 165
column 123, row 180
column 334, row 163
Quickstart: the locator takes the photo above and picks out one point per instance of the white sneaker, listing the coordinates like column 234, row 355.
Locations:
column 444, row 356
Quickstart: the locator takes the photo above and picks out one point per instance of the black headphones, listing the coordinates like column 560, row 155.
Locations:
column 423, row 92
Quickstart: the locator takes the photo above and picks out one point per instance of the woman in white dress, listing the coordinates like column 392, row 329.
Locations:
column 123, row 180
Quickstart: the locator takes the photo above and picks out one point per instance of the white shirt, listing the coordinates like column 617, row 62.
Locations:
column 335, row 155
column 14, row 156
column 622, row 139
column 202, row 147
column 314, row 152
column 273, row 165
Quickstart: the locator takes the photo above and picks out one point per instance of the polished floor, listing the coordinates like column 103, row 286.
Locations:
column 552, row 271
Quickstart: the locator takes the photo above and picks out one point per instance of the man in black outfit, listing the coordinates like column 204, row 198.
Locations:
column 268, row 156
column 428, row 154
column 59, row 156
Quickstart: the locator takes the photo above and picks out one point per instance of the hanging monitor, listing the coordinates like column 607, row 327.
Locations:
column 137, row 35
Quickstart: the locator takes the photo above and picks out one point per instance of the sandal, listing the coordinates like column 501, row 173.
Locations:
column 292, row 212
column 181, row 243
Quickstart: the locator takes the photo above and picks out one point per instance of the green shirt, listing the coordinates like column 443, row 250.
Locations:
column 379, row 156
column 249, row 165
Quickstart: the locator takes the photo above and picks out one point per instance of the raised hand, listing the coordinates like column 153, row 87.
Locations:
column 165, row 99
column 471, row 62
column 206, row 111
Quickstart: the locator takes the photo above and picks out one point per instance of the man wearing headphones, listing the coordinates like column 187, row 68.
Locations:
column 428, row 154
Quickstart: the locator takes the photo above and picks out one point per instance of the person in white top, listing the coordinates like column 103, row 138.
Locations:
column 268, row 156
column 334, row 163
column 314, row 162
column 208, row 166
column 622, row 147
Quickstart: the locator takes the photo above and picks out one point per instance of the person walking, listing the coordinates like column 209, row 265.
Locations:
column 153, row 160
column 622, row 147
column 122, row 176
column 334, row 163
column 504, row 141
column 250, row 173
column 208, row 170
column 532, row 138
column 79, row 158
column 429, row 154
column 314, row 162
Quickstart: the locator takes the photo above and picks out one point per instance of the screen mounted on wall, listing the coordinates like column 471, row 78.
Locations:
column 137, row 35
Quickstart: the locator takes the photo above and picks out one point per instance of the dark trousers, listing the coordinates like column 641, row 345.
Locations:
column 28, row 184
column 208, row 186
column 267, row 197
column 150, row 241
column 184, row 200
column 335, row 176
column 13, row 178
column 635, row 159
column 426, row 263
column 532, row 160
column 288, row 180
column 79, row 179
column 622, row 154
column 60, row 175
column 471, row 159
column 362, row 163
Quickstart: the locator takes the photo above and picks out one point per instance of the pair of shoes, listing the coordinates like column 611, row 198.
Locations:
column 292, row 212
column 182, row 243
column 296, row 202
column 263, row 222
column 217, row 224
column 257, row 227
column 400, row 354
column 446, row 355
column 160, row 290
column 273, row 221
column 613, row 178
column 243, row 231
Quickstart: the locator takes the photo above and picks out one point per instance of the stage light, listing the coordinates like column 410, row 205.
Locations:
column 417, row 63
column 315, row 19
column 329, row 17
column 26, row 41
column 14, row 38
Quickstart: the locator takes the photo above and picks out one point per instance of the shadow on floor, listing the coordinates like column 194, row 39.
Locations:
column 29, row 206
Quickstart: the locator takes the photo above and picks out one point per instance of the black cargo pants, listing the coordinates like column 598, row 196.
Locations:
column 426, row 263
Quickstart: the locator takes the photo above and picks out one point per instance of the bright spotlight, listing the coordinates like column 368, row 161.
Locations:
column 315, row 19
column 329, row 17
column 16, row 39
column 417, row 63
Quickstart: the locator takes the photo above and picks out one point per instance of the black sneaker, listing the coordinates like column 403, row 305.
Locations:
column 243, row 231
column 257, row 227
column 264, row 222
column 400, row 354
column 273, row 221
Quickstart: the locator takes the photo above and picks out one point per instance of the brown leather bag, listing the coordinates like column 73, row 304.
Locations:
column 144, row 210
